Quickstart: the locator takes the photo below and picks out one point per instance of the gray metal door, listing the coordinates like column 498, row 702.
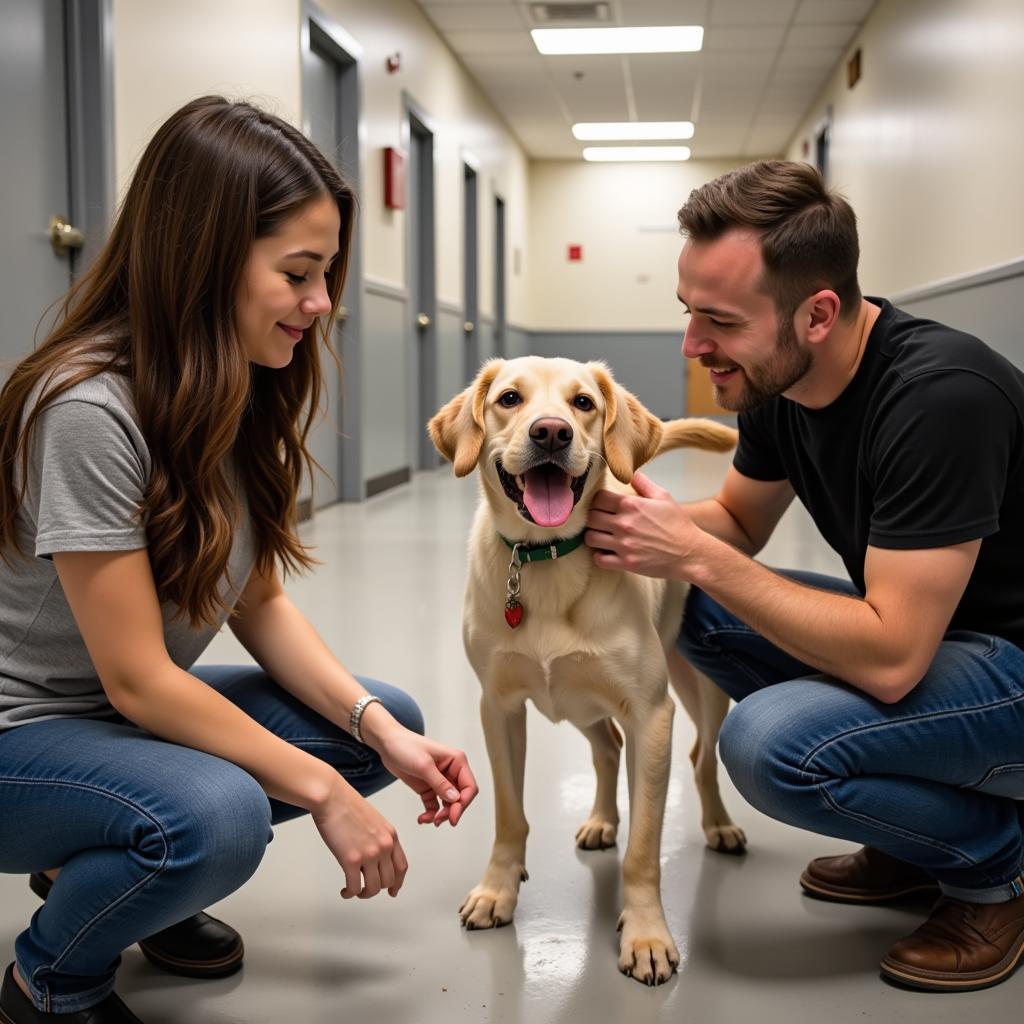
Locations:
column 499, row 276
column 469, row 249
column 33, row 169
column 331, row 114
column 422, row 277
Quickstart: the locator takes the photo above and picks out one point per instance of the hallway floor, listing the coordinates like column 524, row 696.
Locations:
column 388, row 599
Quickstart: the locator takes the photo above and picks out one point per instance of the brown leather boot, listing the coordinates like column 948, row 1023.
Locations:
column 867, row 876
column 962, row 946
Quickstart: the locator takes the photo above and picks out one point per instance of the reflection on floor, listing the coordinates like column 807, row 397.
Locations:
column 388, row 599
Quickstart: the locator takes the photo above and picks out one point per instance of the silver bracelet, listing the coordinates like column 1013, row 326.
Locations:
column 357, row 713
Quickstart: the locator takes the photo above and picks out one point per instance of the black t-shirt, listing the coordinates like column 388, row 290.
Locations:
column 924, row 448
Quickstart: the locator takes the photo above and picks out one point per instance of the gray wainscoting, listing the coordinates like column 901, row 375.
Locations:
column 518, row 342
column 388, row 393
column 988, row 304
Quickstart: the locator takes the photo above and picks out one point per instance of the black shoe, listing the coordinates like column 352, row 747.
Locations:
column 17, row 1008
column 198, row 947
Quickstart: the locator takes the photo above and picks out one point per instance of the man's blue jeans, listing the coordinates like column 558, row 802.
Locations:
column 934, row 779
column 147, row 832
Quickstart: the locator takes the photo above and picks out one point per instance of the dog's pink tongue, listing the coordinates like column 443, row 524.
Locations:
column 548, row 496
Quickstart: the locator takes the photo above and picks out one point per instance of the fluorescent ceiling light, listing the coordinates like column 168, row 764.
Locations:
column 654, row 39
column 613, row 130
column 636, row 153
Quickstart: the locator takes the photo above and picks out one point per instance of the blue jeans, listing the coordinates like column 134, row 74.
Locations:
column 147, row 832
column 934, row 779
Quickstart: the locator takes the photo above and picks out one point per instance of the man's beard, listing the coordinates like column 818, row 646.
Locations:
column 787, row 364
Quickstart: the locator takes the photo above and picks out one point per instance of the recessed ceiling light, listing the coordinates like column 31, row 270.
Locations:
column 651, row 39
column 636, row 153
column 611, row 130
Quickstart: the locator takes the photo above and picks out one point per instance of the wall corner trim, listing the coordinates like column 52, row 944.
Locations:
column 961, row 282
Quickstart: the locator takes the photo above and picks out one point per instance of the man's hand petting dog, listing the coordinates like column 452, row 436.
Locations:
column 648, row 533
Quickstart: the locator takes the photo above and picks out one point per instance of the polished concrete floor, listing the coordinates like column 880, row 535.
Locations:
column 387, row 598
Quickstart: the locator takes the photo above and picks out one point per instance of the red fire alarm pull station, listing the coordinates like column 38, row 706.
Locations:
column 394, row 179
column 575, row 253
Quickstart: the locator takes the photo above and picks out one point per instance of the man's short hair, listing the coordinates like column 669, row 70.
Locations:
column 808, row 233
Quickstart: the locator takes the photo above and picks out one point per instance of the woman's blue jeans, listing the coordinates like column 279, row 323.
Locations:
column 934, row 779
column 147, row 832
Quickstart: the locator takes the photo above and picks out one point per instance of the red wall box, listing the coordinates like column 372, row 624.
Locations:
column 394, row 179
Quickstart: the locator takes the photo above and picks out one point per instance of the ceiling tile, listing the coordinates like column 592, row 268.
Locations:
column 663, row 86
column 805, row 79
column 737, row 62
column 822, row 60
column 660, row 12
column 820, row 35
column 717, row 132
column 429, row 4
column 748, row 87
column 751, row 12
column 767, row 143
column 526, row 68
column 824, row 12
column 764, row 37
column 599, row 96
column 779, row 103
column 451, row 17
column 731, row 106
column 490, row 42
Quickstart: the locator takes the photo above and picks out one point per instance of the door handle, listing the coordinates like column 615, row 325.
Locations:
column 423, row 320
column 63, row 236
column 468, row 326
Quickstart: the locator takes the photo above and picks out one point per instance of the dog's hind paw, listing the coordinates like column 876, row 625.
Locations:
column 596, row 834
column 726, row 838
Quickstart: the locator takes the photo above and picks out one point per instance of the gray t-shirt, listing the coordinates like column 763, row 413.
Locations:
column 88, row 471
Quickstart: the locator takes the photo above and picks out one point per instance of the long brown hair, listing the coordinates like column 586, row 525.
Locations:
column 808, row 233
column 158, row 305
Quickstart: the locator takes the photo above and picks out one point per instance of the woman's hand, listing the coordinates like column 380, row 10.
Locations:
column 363, row 842
column 439, row 775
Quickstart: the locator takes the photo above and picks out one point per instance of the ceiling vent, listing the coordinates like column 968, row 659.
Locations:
column 576, row 13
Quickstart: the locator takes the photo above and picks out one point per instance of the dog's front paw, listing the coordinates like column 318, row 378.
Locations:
column 728, row 838
column 646, row 951
column 596, row 834
column 493, row 902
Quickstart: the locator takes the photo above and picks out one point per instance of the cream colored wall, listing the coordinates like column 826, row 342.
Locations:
column 624, row 216
column 166, row 54
column 463, row 122
column 927, row 146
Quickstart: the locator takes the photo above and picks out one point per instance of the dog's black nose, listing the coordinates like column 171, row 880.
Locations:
column 551, row 434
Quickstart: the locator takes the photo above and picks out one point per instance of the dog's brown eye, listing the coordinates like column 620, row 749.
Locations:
column 509, row 399
column 583, row 402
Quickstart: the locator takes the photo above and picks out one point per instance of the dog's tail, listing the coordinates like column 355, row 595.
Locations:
column 697, row 433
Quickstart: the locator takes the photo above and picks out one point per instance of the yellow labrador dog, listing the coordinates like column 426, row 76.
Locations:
column 541, row 622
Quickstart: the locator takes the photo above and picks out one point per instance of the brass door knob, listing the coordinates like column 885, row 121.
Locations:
column 64, row 237
column 468, row 326
column 423, row 320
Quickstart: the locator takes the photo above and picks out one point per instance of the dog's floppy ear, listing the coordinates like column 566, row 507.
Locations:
column 631, row 433
column 457, row 429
